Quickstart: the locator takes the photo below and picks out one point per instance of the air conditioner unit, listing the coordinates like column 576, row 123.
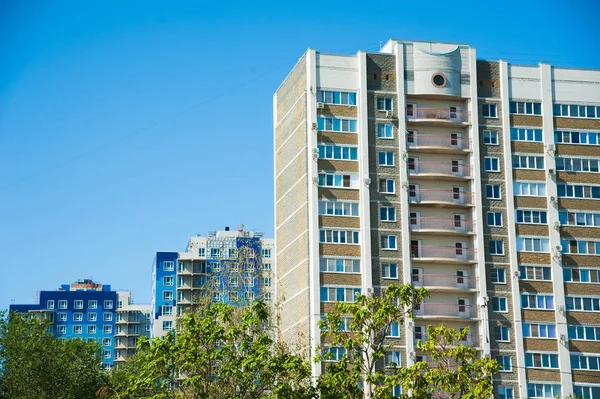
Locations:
column 315, row 153
column 411, row 355
column 552, row 199
column 315, row 180
column 551, row 172
column 560, row 308
column 517, row 273
column 320, row 105
column 551, row 147
column 389, row 114
column 367, row 181
column 559, row 248
column 315, row 127
column 556, row 225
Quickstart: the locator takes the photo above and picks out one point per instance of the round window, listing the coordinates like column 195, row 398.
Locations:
column 438, row 80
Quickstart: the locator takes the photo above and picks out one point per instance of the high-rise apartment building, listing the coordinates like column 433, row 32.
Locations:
column 476, row 179
column 231, row 266
column 94, row 312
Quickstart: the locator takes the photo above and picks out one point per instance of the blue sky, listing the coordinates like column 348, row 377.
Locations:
column 126, row 127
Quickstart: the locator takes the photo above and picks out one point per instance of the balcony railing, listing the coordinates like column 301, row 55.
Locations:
column 437, row 140
column 436, row 251
column 450, row 224
column 456, row 197
column 446, row 310
column 445, row 280
column 449, row 168
column 471, row 340
column 444, row 114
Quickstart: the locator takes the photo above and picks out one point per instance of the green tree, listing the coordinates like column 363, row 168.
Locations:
column 220, row 351
column 34, row 364
column 360, row 329
column 455, row 371
column 363, row 339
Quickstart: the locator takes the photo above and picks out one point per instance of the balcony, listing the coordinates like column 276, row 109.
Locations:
column 442, row 226
column 441, row 198
column 438, row 143
column 438, row 115
column 436, row 253
column 449, row 282
column 446, row 311
column 436, row 170
column 471, row 340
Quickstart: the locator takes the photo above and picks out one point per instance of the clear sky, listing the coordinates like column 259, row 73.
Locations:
column 128, row 126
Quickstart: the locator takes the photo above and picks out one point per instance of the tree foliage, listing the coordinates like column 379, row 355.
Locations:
column 218, row 352
column 34, row 364
column 360, row 328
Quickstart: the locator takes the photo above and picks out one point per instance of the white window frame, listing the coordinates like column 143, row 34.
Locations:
column 491, row 160
column 491, row 136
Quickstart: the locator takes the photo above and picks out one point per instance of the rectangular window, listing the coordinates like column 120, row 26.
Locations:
column 490, row 137
column 579, row 138
column 521, row 134
column 384, row 104
column 525, row 108
column 340, row 265
column 167, row 325
column 336, row 97
column 92, row 316
column 530, row 189
column 93, row 304
column 338, row 208
column 77, row 329
column 532, row 301
column 578, row 191
column 106, row 341
column 387, row 214
column 576, row 111
column 581, row 247
column 491, row 164
column 494, row 219
column 586, row 304
column 167, row 310
column 393, row 330
column 77, row 316
column 386, row 158
column 584, row 332
column 589, row 219
column 537, row 330
column 50, row 304
column 331, row 236
column 62, row 316
column 168, row 266
column 78, row 304
column 569, row 164
column 498, row 276
column 168, row 281
column 541, row 360
column 338, row 152
column 108, row 304
column 91, row 329
column 386, row 186
column 489, row 111
column 202, row 252
column 587, row 391
column 581, row 275
column 62, row 304
column 389, row 270
column 531, row 217
column 492, row 191
column 61, row 329
column 388, row 242
column 384, row 131
column 107, row 329
column 505, row 392
column 528, row 162
column 543, row 273
column 501, row 334
column 496, row 247
column 167, row 295
column 333, row 354
column 392, row 359
column 108, row 316
column 335, row 180
column 528, row 244
column 336, row 124
column 338, row 294
column 504, row 362
column 499, row 304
